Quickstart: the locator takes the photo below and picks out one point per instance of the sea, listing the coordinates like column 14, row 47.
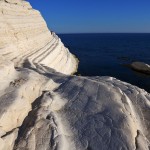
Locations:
column 105, row 54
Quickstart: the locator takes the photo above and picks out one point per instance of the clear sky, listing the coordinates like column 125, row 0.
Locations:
column 95, row 16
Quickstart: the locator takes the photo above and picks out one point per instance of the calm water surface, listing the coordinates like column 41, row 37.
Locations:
column 108, row 54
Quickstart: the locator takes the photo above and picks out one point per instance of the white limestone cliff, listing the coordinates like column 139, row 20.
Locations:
column 44, row 107
column 26, row 40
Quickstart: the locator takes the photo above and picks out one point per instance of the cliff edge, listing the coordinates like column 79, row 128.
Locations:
column 44, row 107
column 26, row 40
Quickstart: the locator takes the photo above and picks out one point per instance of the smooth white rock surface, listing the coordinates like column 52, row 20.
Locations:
column 43, row 107
column 88, row 113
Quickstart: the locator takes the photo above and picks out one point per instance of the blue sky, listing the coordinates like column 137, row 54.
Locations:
column 95, row 16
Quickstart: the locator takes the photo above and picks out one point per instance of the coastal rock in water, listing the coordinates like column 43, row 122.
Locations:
column 43, row 107
column 141, row 67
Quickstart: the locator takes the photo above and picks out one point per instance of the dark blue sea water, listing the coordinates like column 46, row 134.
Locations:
column 108, row 54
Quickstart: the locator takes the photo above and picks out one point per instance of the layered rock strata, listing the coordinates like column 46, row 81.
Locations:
column 26, row 40
column 43, row 107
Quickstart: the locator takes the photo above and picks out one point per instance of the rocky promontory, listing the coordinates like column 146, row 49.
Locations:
column 44, row 107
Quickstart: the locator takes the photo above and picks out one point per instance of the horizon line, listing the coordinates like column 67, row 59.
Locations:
column 105, row 33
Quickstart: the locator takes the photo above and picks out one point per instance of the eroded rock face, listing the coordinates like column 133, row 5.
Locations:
column 26, row 40
column 141, row 67
column 88, row 113
column 43, row 108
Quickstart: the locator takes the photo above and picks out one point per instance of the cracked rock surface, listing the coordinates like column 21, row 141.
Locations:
column 44, row 107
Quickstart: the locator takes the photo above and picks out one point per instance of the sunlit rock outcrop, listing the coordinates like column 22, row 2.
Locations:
column 43, row 107
column 26, row 40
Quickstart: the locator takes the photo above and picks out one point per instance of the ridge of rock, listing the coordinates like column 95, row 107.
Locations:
column 27, row 41
column 44, row 107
